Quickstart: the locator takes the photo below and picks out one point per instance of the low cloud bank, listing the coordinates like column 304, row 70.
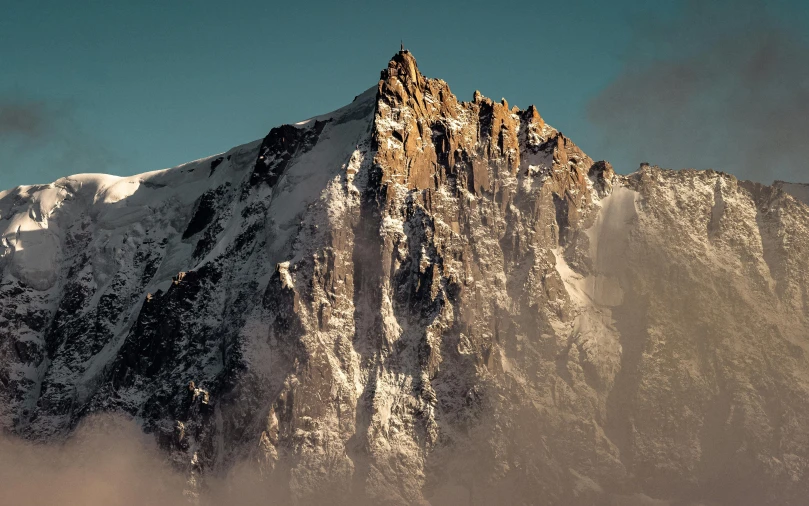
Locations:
column 107, row 461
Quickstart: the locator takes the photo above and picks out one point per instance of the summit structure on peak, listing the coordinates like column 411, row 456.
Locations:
column 420, row 300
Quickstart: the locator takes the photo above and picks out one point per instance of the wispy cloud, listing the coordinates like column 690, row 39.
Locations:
column 107, row 461
column 725, row 85
column 42, row 139
column 24, row 119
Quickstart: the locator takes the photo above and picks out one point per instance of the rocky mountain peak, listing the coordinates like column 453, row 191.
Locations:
column 404, row 67
column 420, row 300
column 425, row 137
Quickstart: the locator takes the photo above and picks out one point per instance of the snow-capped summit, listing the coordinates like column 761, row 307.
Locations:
column 417, row 298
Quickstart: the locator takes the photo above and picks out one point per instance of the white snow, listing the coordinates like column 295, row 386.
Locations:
column 335, row 154
column 362, row 98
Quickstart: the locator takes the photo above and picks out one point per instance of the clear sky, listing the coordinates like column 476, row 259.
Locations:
column 124, row 87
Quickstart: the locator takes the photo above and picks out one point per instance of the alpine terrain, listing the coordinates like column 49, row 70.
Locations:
column 421, row 300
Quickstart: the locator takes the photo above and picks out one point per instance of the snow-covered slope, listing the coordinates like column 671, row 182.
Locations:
column 417, row 299
column 81, row 256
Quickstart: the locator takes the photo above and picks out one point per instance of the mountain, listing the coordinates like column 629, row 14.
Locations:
column 417, row 299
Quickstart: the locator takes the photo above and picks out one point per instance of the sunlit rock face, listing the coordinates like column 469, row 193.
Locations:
column 414, row 300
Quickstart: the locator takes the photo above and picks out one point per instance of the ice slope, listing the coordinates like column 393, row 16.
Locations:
column 79, row 257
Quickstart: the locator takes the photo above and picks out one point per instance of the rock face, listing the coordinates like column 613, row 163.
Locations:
column 415, row 299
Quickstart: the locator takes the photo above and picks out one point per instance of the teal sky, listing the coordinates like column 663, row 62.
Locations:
column 125, row 87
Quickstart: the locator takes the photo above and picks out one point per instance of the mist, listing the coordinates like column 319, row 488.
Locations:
column 725, row 85
column 108, row 461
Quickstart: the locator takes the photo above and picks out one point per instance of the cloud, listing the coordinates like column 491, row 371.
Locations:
column 107, row 461
column 41, row 141
column 29, row 120
column 723, row 85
